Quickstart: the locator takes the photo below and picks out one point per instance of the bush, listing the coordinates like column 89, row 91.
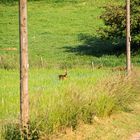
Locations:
column 114, row 18
column 12, row 131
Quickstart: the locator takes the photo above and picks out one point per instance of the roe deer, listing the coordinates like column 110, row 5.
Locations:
column 119, row 69
column 63, row 76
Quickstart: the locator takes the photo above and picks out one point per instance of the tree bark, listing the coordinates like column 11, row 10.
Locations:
column 128, row 38
column 24, row 97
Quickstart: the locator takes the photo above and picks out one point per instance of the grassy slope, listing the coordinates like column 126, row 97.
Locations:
column 53, row 33
column 119, row 126
column 51, row 29
column 47, row 93
column 42, row 83
column 57, row 102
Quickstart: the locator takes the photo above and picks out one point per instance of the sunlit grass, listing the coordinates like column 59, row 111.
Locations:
column 42, row 83
column 56, row 105
column 88, row 92
column 54, row 31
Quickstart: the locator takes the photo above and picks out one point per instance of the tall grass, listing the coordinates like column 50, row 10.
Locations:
column 72, row 103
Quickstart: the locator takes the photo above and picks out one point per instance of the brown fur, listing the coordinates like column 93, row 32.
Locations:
column 63, row 76
column 119, row 69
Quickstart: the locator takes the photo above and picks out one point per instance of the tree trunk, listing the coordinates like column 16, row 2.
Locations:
column 128, row 38
column 24, row 97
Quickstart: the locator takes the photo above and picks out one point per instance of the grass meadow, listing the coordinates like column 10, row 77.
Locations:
column 43, row 83
column 59, row 34
column 64, row 35
column 57, row 105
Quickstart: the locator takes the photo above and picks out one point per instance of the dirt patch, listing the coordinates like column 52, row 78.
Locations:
column 135, row 136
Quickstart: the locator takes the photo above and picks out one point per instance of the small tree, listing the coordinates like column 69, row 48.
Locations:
column 114, row 18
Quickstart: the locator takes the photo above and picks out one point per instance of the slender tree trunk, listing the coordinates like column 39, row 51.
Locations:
column 24, row 97
column 128, row 38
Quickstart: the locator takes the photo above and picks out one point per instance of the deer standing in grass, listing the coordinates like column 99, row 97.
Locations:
column 119, row 69
column 63, row 76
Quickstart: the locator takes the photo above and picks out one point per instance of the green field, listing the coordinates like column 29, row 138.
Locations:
column 66, row 35
column 56, row 105
column 59, row 35
column 42, row 83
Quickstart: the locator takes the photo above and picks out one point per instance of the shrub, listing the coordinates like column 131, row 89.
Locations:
column 12, row 131
column 114, row 18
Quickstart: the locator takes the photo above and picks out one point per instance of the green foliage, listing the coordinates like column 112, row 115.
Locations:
column 48, row 1
column 114, row 18
column 7, row 1
column 12, row 131
column 104, row 105
column 60, row 1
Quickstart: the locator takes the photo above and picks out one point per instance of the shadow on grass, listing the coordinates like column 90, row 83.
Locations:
column 96, row 46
